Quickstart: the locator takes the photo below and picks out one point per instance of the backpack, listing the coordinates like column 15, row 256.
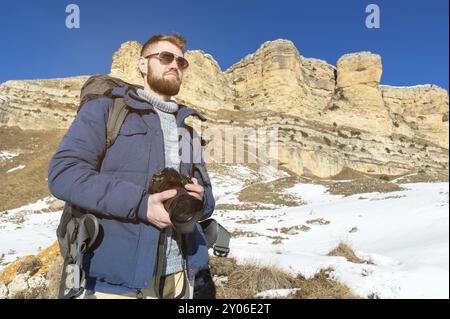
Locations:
column 77, row 229
column 98, row 86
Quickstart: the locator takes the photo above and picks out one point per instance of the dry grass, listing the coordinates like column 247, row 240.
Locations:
column 422, row 177
column 293, row 230
column 266, row 195
column 322, row 287
column 348, row 174
column 243, row 206
column 318, row 221
column 276, row 240
column 29, row 184
column 245, row 281
column 343, row 250
column 249, row 221
column 350, row 182
column 271, row 192
column 242, row 233
column 361, row 185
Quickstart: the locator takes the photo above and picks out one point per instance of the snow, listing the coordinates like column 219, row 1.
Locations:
column 26, row 230
column 227, row 184
column 405, row 233
column 5, row 155
column 275, row 293
column 15, row 168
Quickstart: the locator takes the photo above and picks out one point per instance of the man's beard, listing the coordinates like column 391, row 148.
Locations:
column 163, row 86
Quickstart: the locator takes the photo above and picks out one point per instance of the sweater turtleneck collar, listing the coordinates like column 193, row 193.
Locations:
column 168, row 107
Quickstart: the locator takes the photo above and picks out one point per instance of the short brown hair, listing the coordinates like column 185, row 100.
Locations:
column 174, row 38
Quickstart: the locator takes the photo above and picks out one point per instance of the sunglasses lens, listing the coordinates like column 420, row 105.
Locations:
column 182, row 63
column 166, row 57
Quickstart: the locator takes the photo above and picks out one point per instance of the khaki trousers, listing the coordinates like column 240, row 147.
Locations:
column 173, row 288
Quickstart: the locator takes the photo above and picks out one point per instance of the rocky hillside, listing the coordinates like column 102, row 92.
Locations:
column 329, row 117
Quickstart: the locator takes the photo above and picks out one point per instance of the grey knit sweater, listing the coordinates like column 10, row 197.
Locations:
column 174, row 260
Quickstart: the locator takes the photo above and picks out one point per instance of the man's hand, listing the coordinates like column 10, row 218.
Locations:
column 156, row 213
column 195, row 189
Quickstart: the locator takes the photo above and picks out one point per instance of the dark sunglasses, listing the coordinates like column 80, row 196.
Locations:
column 167, row 58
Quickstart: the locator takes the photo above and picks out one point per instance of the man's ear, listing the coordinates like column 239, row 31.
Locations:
column 142, row 64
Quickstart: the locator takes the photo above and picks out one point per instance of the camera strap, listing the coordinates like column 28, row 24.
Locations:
column 202, row 172
column 161, row 255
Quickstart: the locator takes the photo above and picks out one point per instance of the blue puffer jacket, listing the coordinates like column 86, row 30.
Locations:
column 115, row 188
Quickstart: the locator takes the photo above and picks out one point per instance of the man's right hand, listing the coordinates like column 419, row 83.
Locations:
column 156, row 213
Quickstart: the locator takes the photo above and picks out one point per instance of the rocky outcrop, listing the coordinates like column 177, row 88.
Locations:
column 125, row 63
column 204, row 84
column 328, row 117
column 357, row 101
column 40, row 104
column 33, row 277
column 362, row 68
column 419, row 112
column 270, row 79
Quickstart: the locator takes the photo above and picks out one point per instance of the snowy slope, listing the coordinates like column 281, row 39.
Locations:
column 26, row 231
column 405, row 233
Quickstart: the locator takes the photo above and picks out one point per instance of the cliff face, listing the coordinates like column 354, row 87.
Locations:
column 419, row 112
column 358, row 101
column 40, row 104
column 328, row 117
column 270, row 79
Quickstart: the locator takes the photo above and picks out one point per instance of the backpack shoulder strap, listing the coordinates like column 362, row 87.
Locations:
column 116, row 116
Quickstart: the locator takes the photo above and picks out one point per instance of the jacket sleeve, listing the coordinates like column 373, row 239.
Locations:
column 73, row 173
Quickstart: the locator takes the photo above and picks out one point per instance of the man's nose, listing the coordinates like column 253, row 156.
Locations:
column 174, row 64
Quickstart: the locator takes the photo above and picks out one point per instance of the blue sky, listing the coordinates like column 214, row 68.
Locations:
column 412, row 40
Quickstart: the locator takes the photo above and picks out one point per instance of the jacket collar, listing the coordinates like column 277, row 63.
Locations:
column 134, row 101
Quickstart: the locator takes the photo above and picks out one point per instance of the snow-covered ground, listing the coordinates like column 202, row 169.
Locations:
column 227, row 185
column 26, row 231
column 276, row 293
column 405, row 234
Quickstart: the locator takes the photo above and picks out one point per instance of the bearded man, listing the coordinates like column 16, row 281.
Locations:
column 137, row 236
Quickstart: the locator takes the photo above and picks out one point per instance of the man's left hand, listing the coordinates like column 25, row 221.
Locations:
column 195, row 189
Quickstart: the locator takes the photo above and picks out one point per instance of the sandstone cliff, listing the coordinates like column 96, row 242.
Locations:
column 40, row 104
column 328, row 117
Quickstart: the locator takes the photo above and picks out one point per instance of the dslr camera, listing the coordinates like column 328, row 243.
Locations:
column 184, row 210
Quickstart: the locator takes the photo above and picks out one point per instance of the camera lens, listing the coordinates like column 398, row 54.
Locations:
column 183, row 210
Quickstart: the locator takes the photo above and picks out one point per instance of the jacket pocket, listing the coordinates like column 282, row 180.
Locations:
column 130, row 151
column 133, row 125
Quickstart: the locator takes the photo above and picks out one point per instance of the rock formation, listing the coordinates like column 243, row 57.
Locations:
column 328, row 117
column 33, row 277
